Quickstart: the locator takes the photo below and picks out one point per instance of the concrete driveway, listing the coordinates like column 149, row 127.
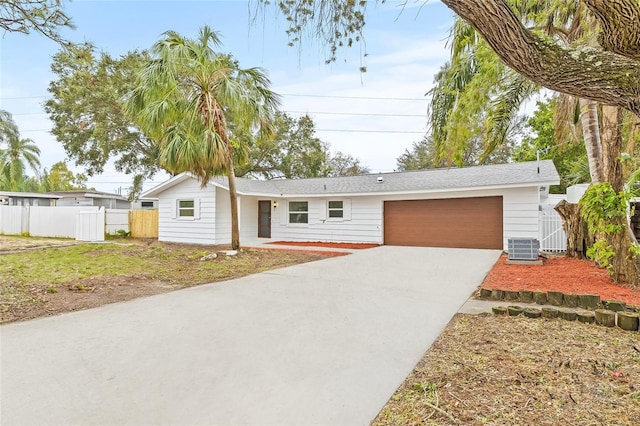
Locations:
column 326, row 343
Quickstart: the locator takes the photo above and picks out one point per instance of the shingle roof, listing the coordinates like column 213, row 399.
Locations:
column 87, row 193
column 28, row 195
column 512, row 174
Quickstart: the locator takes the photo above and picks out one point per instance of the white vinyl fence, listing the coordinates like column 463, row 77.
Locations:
column 116, row 220
column 552, row 236
column 90, row 225
column 45, row 221
column 59, row 221
column 14, row 220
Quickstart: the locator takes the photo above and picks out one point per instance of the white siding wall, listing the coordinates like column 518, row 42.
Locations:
column 182, row 230
column 249, row 218
column 223, row 216
column 520, row 215
column 364, row 225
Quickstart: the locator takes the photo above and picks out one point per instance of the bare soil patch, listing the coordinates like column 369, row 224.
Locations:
column 15, row 243
column 486, row 370
column 56, row 280
column 559, row 273
column 356, row 246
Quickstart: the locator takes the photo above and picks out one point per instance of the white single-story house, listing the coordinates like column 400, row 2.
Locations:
column 471, row 207
column 27, row 199
column 145, row 204
column 89, row 197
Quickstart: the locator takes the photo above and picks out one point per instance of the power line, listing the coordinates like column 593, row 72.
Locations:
column 317, row 130
column 358, row 113
column 354, row 97
column 365, row 114
column 378, row 98
column 368, row 131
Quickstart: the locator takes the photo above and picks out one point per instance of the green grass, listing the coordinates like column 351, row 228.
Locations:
column 30, row 278
column 64, row 264
column 175, row 265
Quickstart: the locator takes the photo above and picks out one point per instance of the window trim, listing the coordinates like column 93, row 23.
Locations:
column 289, row 213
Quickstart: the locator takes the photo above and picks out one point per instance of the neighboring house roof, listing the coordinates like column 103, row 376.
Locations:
column 88, row 194
column 432, row 180
column 7, row 194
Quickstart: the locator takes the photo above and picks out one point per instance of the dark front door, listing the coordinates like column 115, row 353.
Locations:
column 264, row 219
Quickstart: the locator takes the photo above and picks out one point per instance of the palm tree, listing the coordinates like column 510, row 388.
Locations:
column 476, row 89
column 8, row 128
column 184, row 99
column 475, row 95
column 475, row 79
column 18, row 154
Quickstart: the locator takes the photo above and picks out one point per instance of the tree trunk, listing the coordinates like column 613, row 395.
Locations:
column 620, row 24
column 612, row 146
column 577, row 230
column 588, row 73
column 591, row 134
column 233, row 196
column 625, row 267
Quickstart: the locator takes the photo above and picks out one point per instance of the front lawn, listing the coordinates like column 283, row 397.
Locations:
column 53, row 280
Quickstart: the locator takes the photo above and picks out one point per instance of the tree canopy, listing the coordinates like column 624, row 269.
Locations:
column 295, row 151
column 60, row 178
column 608, row 73
column 41, row 16
column 90, row 123
column 87, row 113
column 185, row 97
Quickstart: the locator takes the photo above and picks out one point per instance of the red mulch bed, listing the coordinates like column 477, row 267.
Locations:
column 356, row 246
column 564, row 274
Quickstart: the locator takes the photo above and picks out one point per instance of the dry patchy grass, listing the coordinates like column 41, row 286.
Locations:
column 487, row 370
column 54, row 280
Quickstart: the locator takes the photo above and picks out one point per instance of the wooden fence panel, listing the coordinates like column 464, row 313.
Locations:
column 144, row 223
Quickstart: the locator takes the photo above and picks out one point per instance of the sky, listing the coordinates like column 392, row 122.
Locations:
column 373, row 116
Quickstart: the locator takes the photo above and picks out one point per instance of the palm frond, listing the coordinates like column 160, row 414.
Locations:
column 504, row 109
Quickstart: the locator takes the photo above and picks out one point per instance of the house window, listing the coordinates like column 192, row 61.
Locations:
column 186, row 208
column 336, row 210
column 298, row 212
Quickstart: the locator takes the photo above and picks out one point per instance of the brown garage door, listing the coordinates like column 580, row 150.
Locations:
column 455, row 222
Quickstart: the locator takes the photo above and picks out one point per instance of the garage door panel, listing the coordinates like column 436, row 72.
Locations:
column 458, row 222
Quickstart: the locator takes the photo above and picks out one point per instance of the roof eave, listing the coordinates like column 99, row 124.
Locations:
column 411, row 192
column 158, row 189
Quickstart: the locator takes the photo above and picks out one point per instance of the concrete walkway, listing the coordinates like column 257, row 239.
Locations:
column 326, row 342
